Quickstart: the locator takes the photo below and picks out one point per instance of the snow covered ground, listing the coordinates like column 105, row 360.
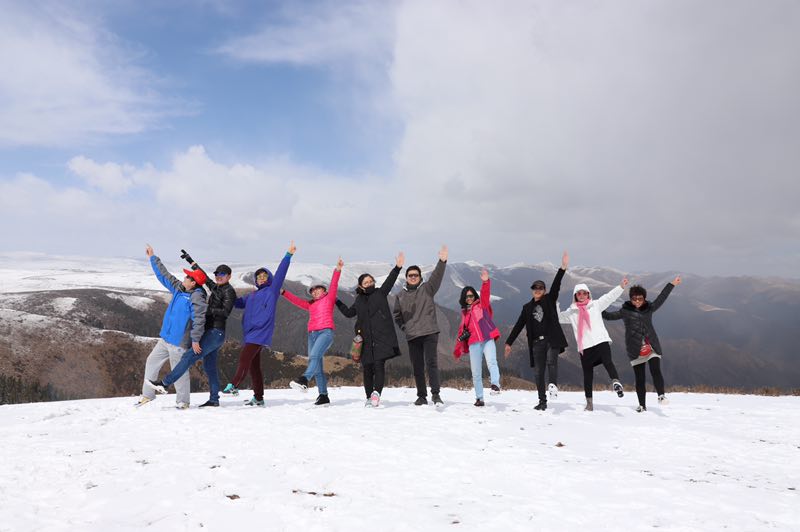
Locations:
column 705, row 462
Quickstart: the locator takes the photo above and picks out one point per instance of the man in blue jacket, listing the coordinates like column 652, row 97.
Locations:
column 183, row 325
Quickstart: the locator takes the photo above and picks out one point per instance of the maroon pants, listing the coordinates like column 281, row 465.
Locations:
column 250, row 358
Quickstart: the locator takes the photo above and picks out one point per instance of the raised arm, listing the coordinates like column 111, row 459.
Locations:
column 349, row 312
column 612, row 315
column 387, row 285
column 294, row 300
column 162, row 274
column 606, row 299
column 555, row 288
column 438, row 272
column 662, row 297
column 337, row 274
column 283, row 267
column 486, row 289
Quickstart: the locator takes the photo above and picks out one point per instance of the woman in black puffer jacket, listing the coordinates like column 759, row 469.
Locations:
column 374, row 323
column 641, row 340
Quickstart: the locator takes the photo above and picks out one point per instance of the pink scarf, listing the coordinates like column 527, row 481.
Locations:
column 583, row 321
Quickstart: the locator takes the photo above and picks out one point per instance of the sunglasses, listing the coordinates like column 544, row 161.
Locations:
column 413, row 276
column 469, row 296
column 219, row 274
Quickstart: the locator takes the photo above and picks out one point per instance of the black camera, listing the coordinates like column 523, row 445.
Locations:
column 188, row 258
column 464, row 336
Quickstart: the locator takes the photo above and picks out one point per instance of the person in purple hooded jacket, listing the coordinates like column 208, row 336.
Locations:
column 258, row 324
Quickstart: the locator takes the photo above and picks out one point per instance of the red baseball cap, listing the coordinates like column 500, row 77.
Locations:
column 198, row 276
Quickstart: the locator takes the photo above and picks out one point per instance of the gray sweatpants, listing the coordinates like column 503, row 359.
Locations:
column 162, row 352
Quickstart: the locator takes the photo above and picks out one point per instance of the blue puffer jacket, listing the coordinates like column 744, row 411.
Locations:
column 258, row 321
column 185, row 318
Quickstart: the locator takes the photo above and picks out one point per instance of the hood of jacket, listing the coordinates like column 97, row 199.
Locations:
column 269, row 277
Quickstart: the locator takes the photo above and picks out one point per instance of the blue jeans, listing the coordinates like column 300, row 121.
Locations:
column 210, row 343
column 477, row 351
column 318, row 343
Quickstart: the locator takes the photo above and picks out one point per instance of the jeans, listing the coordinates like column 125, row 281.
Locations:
column 318, row 344
column 477, row 352
column 210, row 343
column 422, row 351
column 544, row 358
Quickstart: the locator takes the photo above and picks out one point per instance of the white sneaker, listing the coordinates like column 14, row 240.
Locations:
column 617, row 387
column 662, row 400
column 375, row 399
column 367, row 404
column 552, row 389
column 182, row 406
column 142, row 401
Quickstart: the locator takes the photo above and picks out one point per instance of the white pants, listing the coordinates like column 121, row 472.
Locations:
column 162, row 352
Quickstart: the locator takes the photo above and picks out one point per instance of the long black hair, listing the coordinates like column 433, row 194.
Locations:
column 462, row 300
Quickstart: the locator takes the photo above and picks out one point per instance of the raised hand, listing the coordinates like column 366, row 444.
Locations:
column 339, row 264
column 485, row 275
column 677, row 280
column 443, row 253
column 507, row 351
column 564, row 260
column 624, row 282
column 292, row 248
column 401, row 259
column 149, row 250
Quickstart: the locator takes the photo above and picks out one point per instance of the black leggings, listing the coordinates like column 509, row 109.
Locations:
column 374, row 375
column 594, row 356
column 655, row 371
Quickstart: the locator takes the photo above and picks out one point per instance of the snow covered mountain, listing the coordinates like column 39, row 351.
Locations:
column 704, row 462
column 732, row 332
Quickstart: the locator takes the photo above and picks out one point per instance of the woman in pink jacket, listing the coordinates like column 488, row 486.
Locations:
column 320, row 331
column 477, row 334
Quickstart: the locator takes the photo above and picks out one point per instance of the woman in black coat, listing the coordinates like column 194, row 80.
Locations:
column 375, row 325
column 546, row 339
column 641, row 340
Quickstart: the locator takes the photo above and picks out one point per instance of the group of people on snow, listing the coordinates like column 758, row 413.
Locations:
column 193, row 329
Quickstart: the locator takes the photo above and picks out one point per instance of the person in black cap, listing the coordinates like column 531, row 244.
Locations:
column 219, row 308
column 546, row 340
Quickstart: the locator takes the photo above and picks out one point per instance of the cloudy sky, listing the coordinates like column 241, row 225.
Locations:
column 660, row 135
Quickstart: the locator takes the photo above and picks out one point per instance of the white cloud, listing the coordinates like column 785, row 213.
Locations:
column 111, row 178
column 67, row 79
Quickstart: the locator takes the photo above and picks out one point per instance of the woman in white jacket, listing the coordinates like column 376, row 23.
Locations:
column 594, row 345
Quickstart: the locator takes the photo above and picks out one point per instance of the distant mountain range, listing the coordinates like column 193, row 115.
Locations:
column 84, row 326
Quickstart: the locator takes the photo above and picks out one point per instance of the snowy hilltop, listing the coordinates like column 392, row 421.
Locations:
column 705, row 462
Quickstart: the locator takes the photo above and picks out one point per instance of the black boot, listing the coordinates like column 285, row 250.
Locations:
column 437, row 400
column 209, row 403
column 421, row 401
column 479, row 402
column 541, row 406
column 301, row 383
column 322, row 399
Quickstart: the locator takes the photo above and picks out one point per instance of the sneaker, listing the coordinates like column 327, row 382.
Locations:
column 641, row 408
column 541, row 406
column 479, row 402
column 617, row 387
column 421, row 401
column 254, row 402
column 367, row 403
column 495, row 389
column 662, row 400
column 209, row 403
column 552, row 389
column 182, row 406
column 231, row 389
column 322, row 399
column 142, row 401
column 300, row 384
column 437, row 400
column 589, row 405
column 158, row 386
column 375, row 399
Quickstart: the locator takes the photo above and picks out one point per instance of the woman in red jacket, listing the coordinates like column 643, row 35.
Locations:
column 477, row 334
column 320, row 331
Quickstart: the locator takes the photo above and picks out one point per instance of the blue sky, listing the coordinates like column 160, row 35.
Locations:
column 660, row 136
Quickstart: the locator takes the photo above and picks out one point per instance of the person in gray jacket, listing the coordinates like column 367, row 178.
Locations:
column 415, row 314
column 183, row 325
